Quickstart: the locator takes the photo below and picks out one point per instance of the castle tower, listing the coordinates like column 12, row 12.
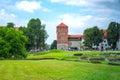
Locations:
column 62, row 36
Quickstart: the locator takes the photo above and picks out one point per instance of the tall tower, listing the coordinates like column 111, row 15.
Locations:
column 62, row 36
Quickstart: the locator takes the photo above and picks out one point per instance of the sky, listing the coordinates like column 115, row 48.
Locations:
column 78, row 15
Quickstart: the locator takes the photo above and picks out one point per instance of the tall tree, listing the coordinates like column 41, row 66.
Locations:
column 26, row 33
column 113, row 33
column 10, row 25
column 118, row 26
column 36, row 34
column 92, row 36
column 54, row 45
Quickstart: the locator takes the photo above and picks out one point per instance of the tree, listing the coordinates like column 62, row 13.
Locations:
column 36, row 34
column 113, row 33
column 47, row 46
column 10, row 25
column 118, row 26
column 12, row 43
column 27, row 33
column 54, row 45
column 92, row 36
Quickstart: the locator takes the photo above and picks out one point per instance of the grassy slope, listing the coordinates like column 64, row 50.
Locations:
column 64, row 54
column 56, row 70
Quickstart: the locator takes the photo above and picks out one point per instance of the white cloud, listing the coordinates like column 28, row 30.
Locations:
column 82, row 2
column 5, row 16
column 70, row 2
column 74, row 20
column 10, row 17
column 51, row 30
column 29, row 6
column 13, row 15
column 45, row 9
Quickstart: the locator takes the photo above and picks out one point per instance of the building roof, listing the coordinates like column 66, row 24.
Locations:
column 75, row 36
column 62, row 25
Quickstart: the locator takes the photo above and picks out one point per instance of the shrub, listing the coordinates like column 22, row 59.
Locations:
column 95, row 58
column 78, row 54
column 95, row 61
column 12, row 43
column 114, row 63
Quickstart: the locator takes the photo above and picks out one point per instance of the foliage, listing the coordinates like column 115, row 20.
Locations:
column 113, row 34
column 92, row 36
column 54, row 45
column 36, row 34
column 46, row 46
column 12, row 43
column 10, row 25
column 26, row 33
column 118, row 26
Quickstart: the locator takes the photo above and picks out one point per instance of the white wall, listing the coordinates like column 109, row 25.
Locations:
column 75, row 44
column 118, row 44
column 62, row 46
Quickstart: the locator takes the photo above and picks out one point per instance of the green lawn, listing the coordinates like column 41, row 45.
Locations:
column 65, row 54
column 56, row 70
column 60, row 54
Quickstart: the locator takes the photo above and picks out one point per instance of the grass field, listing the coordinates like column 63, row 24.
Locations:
column 65, row 54
column 56, row 70
column 60, row 54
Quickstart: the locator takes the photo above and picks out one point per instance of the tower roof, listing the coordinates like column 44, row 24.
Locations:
column 62, row 25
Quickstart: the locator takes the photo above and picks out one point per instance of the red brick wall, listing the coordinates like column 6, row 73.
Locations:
column 62, row 35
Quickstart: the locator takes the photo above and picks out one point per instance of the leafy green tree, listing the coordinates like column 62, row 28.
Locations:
column 46, row 46
column 10, row 25
column 54, row 45
column 12, row 43
column 36, row 34
column 113, row 34
column 118, row 26
column 27, row 33
column 92, row 36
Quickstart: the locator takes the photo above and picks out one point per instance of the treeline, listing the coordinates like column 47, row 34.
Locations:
column 14, row 42
column 94, row 35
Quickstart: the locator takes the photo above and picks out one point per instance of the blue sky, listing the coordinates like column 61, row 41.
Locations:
column 77, row 14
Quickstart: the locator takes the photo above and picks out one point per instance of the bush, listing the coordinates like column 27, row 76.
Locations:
column 114, row 63
column 78, row 54
column 95, row 61
column 12, row 43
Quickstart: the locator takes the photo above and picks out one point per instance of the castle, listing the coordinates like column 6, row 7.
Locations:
column 66, row 41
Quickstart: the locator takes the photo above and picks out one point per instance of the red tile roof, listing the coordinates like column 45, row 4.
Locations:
column 75, row 36
column 62, row 25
